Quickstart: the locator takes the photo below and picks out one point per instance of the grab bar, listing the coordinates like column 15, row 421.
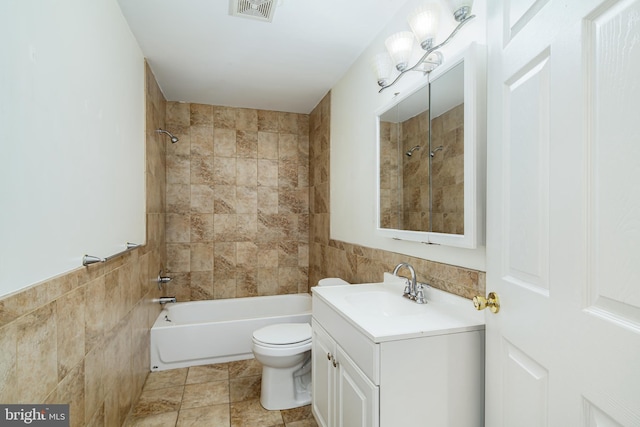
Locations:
column 90, row 259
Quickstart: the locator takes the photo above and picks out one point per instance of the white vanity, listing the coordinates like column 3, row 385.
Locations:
column 380, row 359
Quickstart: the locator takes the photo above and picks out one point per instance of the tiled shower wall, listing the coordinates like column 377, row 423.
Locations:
column 448, row 172
column 415, row 172
column 82, row 338
column 237, row 202
column 359, row 264
column 404, row 197
column 390, row 180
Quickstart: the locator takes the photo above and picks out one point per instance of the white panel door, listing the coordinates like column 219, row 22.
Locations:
column 563, row 231
column 323, row 374
column 358, row 398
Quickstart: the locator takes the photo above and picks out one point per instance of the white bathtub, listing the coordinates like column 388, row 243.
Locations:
column 215, row 331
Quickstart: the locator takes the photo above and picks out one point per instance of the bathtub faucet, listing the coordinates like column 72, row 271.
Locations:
column 164, row 300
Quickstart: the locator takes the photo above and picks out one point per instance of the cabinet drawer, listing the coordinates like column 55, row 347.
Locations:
column 364, row 352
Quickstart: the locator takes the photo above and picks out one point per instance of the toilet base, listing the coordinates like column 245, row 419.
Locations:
column 286, row 388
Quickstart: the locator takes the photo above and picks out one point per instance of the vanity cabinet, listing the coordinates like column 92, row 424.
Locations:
column 344, row 396
column 358, row 380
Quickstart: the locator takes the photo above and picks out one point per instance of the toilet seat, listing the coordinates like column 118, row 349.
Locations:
column 283, row 335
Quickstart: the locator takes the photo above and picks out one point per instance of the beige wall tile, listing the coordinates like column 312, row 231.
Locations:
column 267, row 173
column 70, row 391
column 95, row 321
column 224, row 171
column 202, row 140
column 247, row 144
column 267, row 121
column 201, row 198
column 224, row 142
column 247, row 227
column 201, row 285
column 37, row 367
column 8, row 363
column 70, row 310
column 268, row 198
column 288, row 123
column 247, row 119
column 201, row 114
column 203, row 171
column 246, row 282
column 247, row 172
column 93, row 383
column 178, row 228
column 268, row 145
column 224, row 288
column 201, row 257
column 201, row 228
column 224, row 117
column 178, row 257
column 247, row 199
column 178, row 114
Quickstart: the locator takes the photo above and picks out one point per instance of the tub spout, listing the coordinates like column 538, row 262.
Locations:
column 164, row 300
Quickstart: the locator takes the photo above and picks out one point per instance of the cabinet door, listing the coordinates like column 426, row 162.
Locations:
column 322, row 376
column 356, row 396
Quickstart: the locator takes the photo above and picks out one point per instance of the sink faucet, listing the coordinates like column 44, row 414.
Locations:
column 410, row 290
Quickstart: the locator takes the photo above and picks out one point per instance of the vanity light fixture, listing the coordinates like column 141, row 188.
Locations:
column 424, row 27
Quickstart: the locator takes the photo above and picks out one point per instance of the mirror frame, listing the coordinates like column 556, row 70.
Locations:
column 474, row 58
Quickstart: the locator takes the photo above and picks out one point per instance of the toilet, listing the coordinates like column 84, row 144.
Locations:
column 284, row 350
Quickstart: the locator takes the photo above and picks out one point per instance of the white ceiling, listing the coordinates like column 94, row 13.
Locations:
column 199, row 53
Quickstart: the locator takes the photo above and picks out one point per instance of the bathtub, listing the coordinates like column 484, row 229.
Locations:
column 215, row 331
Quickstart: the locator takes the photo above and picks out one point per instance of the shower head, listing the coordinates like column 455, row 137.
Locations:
column 435, row 150
column 173, row 138
column 410, row 152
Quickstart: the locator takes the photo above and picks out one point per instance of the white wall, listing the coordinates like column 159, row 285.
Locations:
column 71, row 137
column 354, row 102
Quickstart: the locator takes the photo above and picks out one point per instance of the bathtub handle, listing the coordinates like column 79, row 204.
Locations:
column 162, row 280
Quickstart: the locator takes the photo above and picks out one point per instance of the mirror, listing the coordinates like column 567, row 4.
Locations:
column 431, row 157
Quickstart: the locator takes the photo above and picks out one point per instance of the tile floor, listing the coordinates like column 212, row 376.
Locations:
column 221, row 395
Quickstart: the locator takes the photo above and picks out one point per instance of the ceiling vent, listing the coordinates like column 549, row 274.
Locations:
column 262, row 10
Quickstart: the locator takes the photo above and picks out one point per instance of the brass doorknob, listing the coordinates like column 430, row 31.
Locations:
column 492, row 301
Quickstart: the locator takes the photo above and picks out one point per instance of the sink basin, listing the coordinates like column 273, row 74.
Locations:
column 381, row 313
column 380, row 303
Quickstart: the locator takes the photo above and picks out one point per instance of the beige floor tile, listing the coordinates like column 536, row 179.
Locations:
column 200, row 396
column 214, row 416
column 245, row 388
column 244, row 368
column 205, row 394
column 164, row 379
column 303, row 423
column 158, row 401
column 251, row 414
column 296, row 414
column 208, row 373
column 158, row 420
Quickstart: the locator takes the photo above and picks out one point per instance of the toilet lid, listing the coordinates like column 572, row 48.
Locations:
column 283, row 333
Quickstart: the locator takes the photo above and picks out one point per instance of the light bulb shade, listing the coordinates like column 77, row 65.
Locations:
column 461, row 8
column 400, row 47
column 382, row 67
column 424, row 24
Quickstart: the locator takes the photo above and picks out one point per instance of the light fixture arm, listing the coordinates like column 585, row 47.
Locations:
column 428, row 52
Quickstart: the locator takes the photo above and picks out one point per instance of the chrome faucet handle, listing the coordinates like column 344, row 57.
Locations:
column 419, row 298
column 407, row 289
